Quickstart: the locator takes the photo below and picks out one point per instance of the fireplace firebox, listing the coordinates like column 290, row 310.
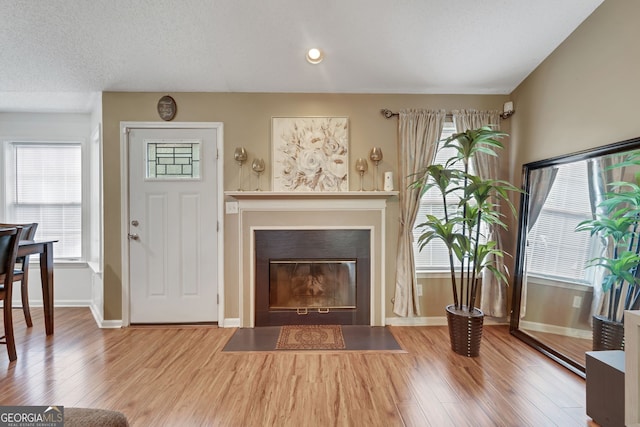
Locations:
column 312, row 277
column 312, row 284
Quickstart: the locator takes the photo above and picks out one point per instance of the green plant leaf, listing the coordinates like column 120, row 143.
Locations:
column 478, row 205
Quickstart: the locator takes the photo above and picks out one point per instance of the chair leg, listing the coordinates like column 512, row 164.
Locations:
column 8, row 331
column 24, row 288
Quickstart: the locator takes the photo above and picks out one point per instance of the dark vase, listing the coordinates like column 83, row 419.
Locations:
column 465, row 330
column 607, row 334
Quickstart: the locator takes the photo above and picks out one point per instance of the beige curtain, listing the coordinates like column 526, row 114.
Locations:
column 540, row 184
column 418, row 135
column 494, row 293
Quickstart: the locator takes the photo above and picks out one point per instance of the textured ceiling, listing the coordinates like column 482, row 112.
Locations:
column 54, row 54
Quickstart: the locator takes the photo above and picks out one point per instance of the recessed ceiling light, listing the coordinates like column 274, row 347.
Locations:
column 315, row 56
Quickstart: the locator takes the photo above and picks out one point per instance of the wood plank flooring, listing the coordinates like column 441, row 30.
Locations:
column 574, row 348
column 179, row 377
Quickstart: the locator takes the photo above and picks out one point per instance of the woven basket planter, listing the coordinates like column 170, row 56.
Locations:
column 607, row 334
column 465, row 330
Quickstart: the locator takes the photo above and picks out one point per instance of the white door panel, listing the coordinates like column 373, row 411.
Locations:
column 172, row 211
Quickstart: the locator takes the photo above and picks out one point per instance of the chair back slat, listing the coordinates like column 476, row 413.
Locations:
column 8, row 251
column 28, row 230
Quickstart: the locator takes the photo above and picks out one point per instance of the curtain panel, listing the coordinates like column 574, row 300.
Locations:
column 540, row 184
column 418, row 135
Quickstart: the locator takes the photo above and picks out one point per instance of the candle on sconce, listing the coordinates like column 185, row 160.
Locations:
column 240, row 156
column 376, row 156
column 361, row 167
column 258, row 167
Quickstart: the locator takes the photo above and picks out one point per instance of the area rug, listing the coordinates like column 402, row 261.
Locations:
column 83, row 417
column 358, row 338
column 310, row 337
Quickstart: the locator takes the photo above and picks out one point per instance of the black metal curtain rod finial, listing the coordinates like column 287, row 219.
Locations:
column 388, row 113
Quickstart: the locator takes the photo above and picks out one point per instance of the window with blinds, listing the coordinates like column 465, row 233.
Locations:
column 46, row 187
column 555, row 250
column 434, row 256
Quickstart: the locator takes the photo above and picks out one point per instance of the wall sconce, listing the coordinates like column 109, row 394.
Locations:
column 507, row 110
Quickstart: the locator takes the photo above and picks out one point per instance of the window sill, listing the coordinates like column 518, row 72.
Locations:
column 65, row 264
column 543, row 281
column 95, row 267
column 433, row 274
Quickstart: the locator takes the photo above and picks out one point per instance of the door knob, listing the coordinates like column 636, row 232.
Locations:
column 133, row 236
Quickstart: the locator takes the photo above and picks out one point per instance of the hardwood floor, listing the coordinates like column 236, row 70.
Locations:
column 574, row 348
column 179, row 377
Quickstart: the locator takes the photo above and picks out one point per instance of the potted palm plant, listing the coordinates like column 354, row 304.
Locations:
column 471, row 209
column 617, row 226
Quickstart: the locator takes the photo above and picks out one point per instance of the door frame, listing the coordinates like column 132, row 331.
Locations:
column 124, row 203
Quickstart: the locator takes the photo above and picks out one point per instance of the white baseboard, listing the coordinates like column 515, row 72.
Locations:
column 231, row 322
column 390, row 321
column 72, row 303
column 554, row 329
column 57, row 303
column 416, row 321
column 434, row 321
column 111, row 324
column 104, row 324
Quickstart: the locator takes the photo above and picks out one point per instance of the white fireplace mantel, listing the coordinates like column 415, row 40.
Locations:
column 310, row 194
column 318, row 201
column 265, row 210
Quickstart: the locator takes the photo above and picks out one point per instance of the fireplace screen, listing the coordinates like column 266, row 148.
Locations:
column 295, row 284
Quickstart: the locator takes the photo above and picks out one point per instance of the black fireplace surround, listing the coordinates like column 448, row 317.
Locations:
column 329, row 244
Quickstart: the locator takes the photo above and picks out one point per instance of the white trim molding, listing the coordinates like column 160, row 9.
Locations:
column 104, row 324
column 435, row 321
column 417, row 321
column 558, row 330
column 231, row 322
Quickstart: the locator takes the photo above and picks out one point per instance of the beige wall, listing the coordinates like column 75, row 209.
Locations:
column 553, row 305
column 247, row 122
column 586, row 93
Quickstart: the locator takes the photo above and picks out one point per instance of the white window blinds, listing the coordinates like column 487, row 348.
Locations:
column 555, row 249
column 47, row 189
column 433, row 256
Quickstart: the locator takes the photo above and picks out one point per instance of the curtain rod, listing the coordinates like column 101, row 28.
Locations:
column 388, row 114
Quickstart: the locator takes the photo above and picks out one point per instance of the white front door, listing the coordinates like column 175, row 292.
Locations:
column 173, row 245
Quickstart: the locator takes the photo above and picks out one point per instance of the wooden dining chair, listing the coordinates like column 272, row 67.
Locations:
column 21, row 273
column 9, row 238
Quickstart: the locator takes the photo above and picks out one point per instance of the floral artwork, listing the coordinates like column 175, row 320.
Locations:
column 310, row 153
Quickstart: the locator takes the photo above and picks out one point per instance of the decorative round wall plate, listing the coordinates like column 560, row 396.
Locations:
column 167, row 108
